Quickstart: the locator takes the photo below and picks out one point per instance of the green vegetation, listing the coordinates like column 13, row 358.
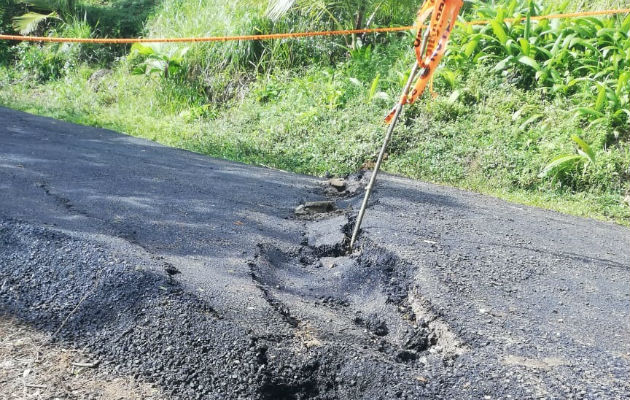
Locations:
column 534, row 112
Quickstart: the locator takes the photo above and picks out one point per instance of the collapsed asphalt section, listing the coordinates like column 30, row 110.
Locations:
column 335, row 331
column 220, row 280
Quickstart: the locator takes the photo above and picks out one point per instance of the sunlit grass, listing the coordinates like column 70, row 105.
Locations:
column 286, row 105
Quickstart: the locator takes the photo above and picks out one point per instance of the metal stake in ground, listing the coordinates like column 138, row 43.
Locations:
column 388, row 137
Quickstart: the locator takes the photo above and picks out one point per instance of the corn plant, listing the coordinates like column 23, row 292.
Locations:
column 586, row 56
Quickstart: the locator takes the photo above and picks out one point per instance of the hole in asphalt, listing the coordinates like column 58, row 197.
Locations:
column 340, row 306
column 367, row 292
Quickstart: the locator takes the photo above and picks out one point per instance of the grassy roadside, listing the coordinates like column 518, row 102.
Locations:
column 486, row 131
column 478, row 148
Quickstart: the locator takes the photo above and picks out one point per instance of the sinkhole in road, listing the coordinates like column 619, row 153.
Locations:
column 332, row 297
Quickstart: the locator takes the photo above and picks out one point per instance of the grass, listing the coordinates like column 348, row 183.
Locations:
column 318, row 115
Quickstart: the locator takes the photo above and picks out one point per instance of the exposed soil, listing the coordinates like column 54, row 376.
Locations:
column 31, row 367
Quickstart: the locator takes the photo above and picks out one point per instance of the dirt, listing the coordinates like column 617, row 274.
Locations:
column 32, row 367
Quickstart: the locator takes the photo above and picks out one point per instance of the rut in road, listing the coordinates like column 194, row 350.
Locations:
column 326, row 294
column 349, row 320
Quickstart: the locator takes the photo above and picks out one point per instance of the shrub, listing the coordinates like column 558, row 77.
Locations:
column 8, row 10
column 50, row 61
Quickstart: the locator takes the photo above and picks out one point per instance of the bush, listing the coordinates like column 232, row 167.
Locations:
column 50, row 61
column 8, row 10
column 39, row 62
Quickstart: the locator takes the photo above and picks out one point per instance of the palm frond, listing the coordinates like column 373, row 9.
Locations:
column 64, row 8
column 277, row 8
column 27, row 23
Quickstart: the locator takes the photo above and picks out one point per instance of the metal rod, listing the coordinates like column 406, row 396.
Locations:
column 388, row 137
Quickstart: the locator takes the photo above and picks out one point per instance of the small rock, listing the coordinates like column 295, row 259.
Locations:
column 376, row 325
column 328, row 262
column 170, row 269
column 337, row 183
column 315, row 207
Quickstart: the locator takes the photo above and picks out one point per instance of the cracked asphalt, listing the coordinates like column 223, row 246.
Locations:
column 451, row 294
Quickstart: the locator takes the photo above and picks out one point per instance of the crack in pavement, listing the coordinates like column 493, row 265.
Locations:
column 430, row 306
column 128, row 236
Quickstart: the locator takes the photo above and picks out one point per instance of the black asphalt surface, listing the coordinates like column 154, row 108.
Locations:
column 196, row 274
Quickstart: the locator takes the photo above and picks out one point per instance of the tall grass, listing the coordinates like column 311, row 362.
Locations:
column 216, row 66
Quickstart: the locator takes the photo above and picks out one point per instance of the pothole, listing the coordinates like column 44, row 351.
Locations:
column 328, row 237
column 366, row 298
column 362, row 302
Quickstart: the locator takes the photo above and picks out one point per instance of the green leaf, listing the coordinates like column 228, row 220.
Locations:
column 583, row 43
column 530, row 62
column 621, row 112
column 139, row 70
column 27, row 23
column 585, row 111
column 622, row 82
column 578, row 80
column 470, row 47
column 529, row 121
column 528, row 22
column 584, row 147
column 448, row 76
column 173, row 68
column 560, row 163
column 141, row 49
column 499, row 32
column 525, row 46
column 600, row 102
column 373, row 87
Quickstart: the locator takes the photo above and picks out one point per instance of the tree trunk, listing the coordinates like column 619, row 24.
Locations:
column 357, row 25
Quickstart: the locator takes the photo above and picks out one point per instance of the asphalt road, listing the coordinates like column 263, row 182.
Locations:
column 451, row 295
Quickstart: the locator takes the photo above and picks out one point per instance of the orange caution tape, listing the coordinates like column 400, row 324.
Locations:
column 204, row 39
column 443, row 17
column 285, row 35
